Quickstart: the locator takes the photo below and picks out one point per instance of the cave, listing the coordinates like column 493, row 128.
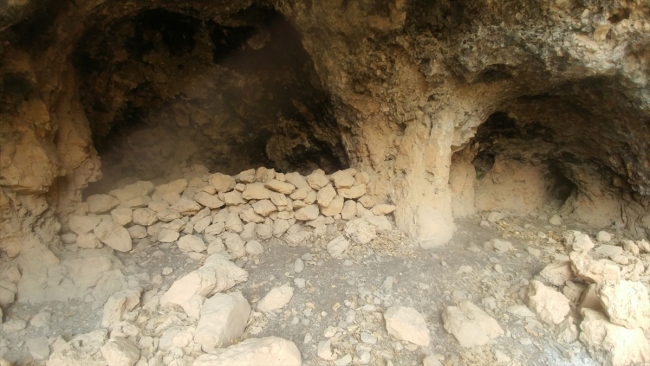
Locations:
column 162, row 89
column 255, row 151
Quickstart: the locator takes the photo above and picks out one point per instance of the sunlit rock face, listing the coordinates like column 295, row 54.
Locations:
column 452, row 107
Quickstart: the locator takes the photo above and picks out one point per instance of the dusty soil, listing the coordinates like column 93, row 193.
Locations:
column 346, row 296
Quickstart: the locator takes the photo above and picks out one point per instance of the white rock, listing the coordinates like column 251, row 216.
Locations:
column 191, row 243
column 131, row 191
column 144, row 216
column 222, row 182
column 555, row 220
column 41, row 319
column 298, row 266
column 297, row 180
column 280, row 227
column 349, row 210
column 593, row 271
column 300, row 193
column 177, row 187
column 379, row 222
column 234, row 244
column 136, row 232
column 324, row 350
column 99, row 203
column 122, row 215
column 82, row 350
column 294, row 239
column 337, row 246
column 90, row 241
column 317, row 179
column 264, row 207
column 557, row 273
column 256, row 191
column 263, row 231
column 118, row 304
column 325, row 195
column 223, row 319
column 405, row 323
column 604, row 237
column 208, row 200
column 39, row 348
column 216, row 275
column 280, row 187
column 186, row 206
column 626, row 303
column 609, row 250
column 550, row 305
column 168, row 236
column 620, row 346
column 343, row 179
column 383, row 209
column 307, row 213
column 119, row 351
column 247, row 176
column 360, row 231
column 470, row 325
column 334, row 208
column 254, row 247
column 270, row 351
column 83, row 224
column 579, row 242
column 234, row 223
column 233, row 198
column 431, row 361
column 353, row 192
column 275, row 299
column 501, row 245
column 113, row 235
column 343, row 361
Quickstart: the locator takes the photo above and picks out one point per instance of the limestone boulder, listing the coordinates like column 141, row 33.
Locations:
column 82, row 350
column 550, row 305
column 114, row 235
column 120, row 351
column 307, row 213
column 613, row 344
column 122, row 215
column 208, row 200
column 627, row 303
column 118, row 304
column 131, row 191
column 100, row 203
column 223, row 319
column 470, row 325
column 221, row 182
column 191, row 243
column 256, row 191
column 269, row 351
column 405, row 323
column 592, row 270
column 83, row 224
column 275, row 299
column 280, row 187
column 325, row 196
column 343, row 179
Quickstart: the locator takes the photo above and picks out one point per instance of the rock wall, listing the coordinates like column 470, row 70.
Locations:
column 395, row 89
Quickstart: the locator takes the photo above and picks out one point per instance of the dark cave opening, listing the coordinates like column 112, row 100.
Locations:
column 163, row 90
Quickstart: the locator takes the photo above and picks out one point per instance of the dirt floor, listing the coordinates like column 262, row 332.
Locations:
column 343, row 299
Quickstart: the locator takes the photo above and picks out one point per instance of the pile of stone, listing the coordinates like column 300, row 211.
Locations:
column 204, row 212
column 608, row 286
column 215, row 219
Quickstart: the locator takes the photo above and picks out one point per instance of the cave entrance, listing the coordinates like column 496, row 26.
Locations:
column 509, row 165
column 165, row 90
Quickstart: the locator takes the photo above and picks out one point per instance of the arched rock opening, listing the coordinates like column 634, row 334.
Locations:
column 164, row 89
column 570, row 147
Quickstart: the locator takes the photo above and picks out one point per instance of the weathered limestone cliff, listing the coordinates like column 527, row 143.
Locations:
column 450, row 106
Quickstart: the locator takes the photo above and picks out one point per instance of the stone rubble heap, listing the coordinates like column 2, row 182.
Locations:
column 217, row 220
column 203, row 212
column 608, row 287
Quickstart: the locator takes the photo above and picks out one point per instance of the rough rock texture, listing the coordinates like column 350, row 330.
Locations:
column 626, row 303
column 470, row 325
column 546, row 101
column 269, row 351
column 612, row 343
